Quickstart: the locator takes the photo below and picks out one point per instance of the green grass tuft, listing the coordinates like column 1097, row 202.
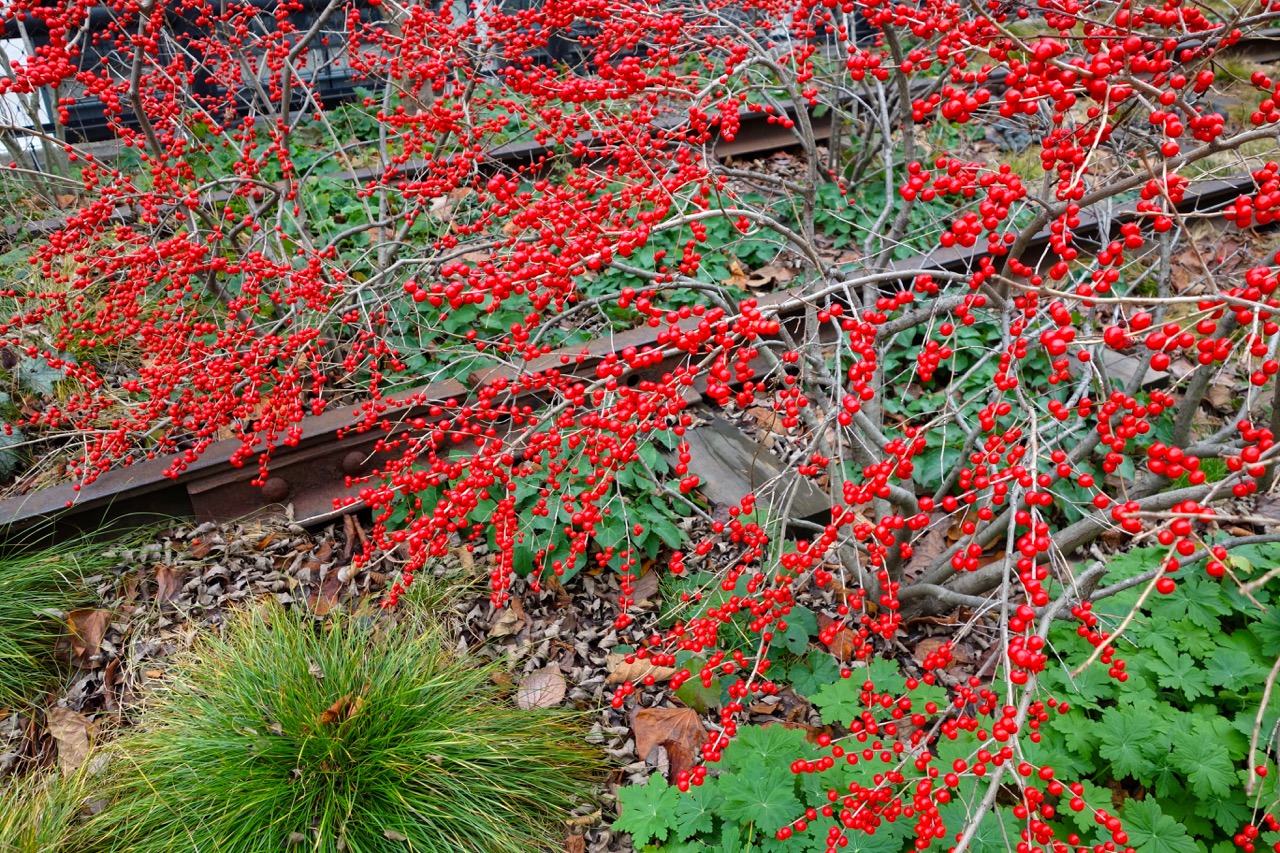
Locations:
column 39, row 812
column 34, row 588
column 354, row 735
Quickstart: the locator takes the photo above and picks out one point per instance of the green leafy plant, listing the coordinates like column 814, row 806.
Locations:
column 354, row 735
column 1175, row 736
column 36, row 588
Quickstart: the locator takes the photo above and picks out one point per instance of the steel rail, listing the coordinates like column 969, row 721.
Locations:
column 315, row 471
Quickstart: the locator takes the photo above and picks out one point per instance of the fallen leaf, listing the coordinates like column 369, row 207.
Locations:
column 770, row 275
column 767, row 419
column 926, row 647
column 72, row 731
column 844, row 645
column 1221, row 397
column 620, row 670
column 110, row 677
column 169, row 583
column 737, row 275
column 200, row 549
column 645, row 588
column 678, row 729
column 509, row 621
column 337, row 712
column 575, row 844
column 85, row 630
column 326, row 598
column 811, row 733
column 541, row 689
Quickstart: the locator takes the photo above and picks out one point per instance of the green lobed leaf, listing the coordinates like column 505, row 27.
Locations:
column 1152, row 831
column 1233, row 669
column 1181, row 673
column 647, row 810
column 1126, row 740
column 696, row 810
column 765, row 797
column 801, row 625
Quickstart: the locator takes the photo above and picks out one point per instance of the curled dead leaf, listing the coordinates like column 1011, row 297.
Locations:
column 342, row 710
column 542, row 688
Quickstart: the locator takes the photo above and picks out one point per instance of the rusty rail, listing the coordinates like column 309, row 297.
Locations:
column 315, row 472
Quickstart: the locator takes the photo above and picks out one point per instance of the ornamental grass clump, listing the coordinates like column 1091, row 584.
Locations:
column 35, row 590
column 40, row 812
column 351, row 735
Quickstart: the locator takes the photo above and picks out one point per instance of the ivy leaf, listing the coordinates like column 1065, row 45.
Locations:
column 696, row 809
column 766, row 798
column 1233, row 669
column 647, row 810
column 1094, row 796
column 1053, row 750
column 1193, row 639
column 1152, row 831
column 1077, row 730
column 886, row 676
column 1181, row 673
column 1157, row 634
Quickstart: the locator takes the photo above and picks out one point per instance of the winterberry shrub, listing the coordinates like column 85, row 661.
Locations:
column 979, row 416
column 342, row 736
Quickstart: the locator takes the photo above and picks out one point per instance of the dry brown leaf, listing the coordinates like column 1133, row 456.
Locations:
column 680, row 759
column 679, row 729
column 169, row 582
column 770, row 275
column 844, row 645
column 85, row 630
column 1221, row 397
column 645, row 588
column 72, row 731
column 575, row 844
column 926, row 647
column 200, row 549
column 543, row 688
column 342, row 710
column 767, row 419
column 110, row 677
column 737, row 275
column 620, row 670
column 510, row 620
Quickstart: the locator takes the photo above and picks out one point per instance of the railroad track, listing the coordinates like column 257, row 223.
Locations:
column 315, row 472
column 310, row 476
